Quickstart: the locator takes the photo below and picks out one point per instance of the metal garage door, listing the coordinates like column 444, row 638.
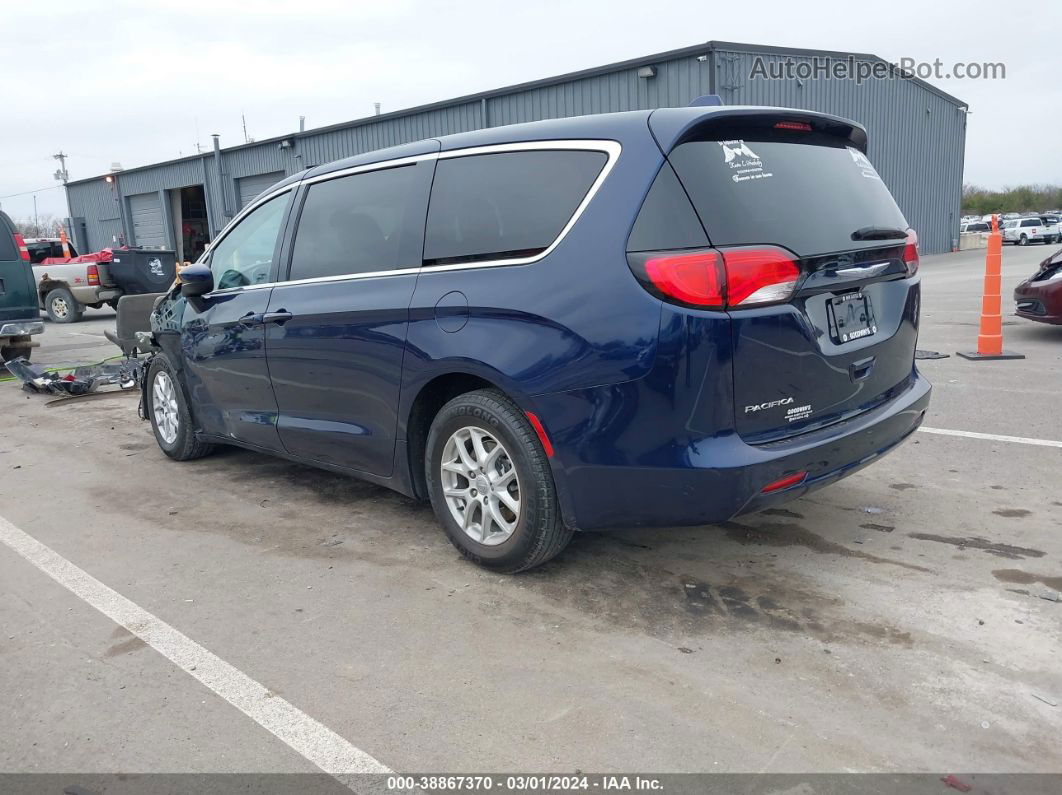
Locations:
column 250, row 187
column 148, row 230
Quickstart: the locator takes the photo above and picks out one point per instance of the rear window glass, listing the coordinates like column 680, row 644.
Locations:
column 810, row 198
column 506, row 205
column 8, row 251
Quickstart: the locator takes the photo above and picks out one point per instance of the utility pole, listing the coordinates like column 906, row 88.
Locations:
column 36, row 226
column 63, row 176
column 243, row 118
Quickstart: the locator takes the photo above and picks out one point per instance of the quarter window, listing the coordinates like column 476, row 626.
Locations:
column 361, row 223
column 245, row 255
column 507, row 205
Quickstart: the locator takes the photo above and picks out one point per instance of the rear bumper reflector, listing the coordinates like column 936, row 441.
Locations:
column 784, row 483
column 536, row 423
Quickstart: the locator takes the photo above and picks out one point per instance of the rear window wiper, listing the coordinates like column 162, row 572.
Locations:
column 879, row 233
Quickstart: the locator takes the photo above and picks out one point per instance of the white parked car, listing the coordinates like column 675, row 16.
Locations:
column 1052, row 228
column 1023, row 231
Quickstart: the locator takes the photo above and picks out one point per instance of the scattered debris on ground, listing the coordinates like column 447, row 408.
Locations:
column 78, row 381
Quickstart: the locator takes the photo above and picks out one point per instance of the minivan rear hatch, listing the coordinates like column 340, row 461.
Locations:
column 801, row 186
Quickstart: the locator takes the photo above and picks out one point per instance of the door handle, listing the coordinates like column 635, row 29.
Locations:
column 281, row 317
column 247, row 321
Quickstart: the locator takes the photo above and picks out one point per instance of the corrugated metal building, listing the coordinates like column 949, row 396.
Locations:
column 917, row 139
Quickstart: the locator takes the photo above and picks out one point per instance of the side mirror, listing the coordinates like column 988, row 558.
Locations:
column 196, row 280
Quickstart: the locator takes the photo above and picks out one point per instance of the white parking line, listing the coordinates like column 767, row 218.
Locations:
column 306, row 736
column 993, row 437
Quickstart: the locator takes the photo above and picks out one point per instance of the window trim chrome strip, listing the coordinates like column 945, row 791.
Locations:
column 611, row 148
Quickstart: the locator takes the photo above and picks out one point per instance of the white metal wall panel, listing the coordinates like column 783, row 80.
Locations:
column 146, row 214
column 250, row 187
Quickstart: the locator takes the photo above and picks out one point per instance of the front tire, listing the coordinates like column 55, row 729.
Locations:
column 1023, row 241
column 491, row 485
column 168, row 411
column 62, row 307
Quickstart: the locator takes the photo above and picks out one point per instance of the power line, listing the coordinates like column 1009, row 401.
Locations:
column 28, row 192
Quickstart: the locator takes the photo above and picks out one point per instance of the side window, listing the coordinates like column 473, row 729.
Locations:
column 506, row 205
column 361, row 223
column 245, row 255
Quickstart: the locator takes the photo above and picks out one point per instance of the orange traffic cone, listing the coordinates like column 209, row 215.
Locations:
column 990, row 340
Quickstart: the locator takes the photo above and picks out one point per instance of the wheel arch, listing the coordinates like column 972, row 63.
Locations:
column 46, row 285
column 429, row 399
column 435, row 392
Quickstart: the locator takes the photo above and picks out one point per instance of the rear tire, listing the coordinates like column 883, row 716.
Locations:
column 62, row 307
column 168, row 411
column 483, row 491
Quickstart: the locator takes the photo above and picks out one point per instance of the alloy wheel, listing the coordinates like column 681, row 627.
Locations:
column 164, row 407
column 480, row 485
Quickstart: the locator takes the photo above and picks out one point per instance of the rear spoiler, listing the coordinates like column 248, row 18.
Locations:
column 673, row 126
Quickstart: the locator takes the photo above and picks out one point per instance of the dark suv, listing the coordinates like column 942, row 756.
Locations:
column 662, row 317
column 20, row 319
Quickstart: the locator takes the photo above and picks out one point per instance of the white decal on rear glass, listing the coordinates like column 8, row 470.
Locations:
column 743, row 162
column 865, row 167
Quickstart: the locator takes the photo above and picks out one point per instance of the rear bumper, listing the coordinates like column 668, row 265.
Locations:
column 21, row 328
column 723, row 477
column 855, row 445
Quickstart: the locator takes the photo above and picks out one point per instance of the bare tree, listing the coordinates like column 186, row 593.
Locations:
column 46, row 226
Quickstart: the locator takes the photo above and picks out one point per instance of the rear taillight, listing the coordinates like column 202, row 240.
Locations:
column 93, row 274
column 910, row 252
column 695, row 277
column 719, row 278
column 20, row 244
column 759, row 275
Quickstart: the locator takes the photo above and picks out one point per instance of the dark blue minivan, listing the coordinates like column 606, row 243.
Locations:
column 665, row 317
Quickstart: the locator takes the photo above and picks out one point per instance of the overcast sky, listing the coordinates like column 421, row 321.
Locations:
column 138, row 82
